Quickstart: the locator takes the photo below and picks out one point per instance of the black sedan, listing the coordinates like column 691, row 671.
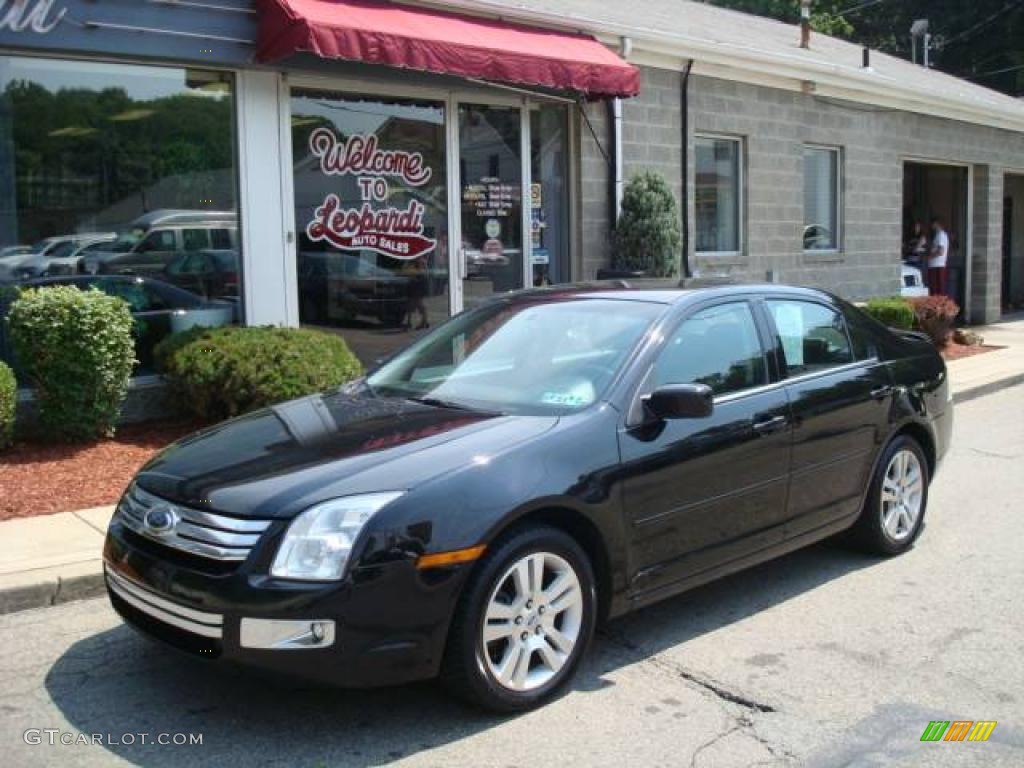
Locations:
column 550, row 459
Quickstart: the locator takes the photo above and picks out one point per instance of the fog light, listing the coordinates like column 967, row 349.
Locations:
column 284, row 635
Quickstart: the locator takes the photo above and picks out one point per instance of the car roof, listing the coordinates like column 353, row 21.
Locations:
column 689, row 290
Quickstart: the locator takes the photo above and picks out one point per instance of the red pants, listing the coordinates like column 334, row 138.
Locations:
column 937, row 281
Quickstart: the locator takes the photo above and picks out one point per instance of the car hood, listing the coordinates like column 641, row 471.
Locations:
column 278, row 461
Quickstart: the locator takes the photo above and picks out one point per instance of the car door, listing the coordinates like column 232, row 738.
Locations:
column 151, row 255
column 701, row 493
column 840, row 404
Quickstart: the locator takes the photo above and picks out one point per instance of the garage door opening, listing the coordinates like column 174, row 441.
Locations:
column 1013, row 243
column 934, row 191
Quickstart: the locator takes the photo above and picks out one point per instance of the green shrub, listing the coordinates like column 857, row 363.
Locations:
column 75, row 349
column 222, row 372
column 8, row 393
column 935, row 315
column 893, row 311
column 647, row 236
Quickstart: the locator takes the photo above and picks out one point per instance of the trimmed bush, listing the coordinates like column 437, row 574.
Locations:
column 647, row 236
column 222, row 372
column 75, row 348
column 935, row 316
column 892, row 311
column 8, row 393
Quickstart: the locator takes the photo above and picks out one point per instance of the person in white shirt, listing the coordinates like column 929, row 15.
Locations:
column 937, row 258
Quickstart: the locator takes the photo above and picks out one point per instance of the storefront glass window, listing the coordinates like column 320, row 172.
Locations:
column 371, row 213
column 122, row 177
column 718, row 195
column 491, row 174
column 549, row 194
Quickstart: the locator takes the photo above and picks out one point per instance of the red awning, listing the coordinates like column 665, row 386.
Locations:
column 379, row 32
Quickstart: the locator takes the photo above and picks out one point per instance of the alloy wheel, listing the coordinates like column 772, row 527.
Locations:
column 532, row 621
column 902, row 495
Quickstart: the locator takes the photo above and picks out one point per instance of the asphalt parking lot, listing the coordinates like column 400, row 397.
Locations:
column 823, row 658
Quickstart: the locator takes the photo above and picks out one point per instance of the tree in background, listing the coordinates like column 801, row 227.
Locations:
column 982, row 40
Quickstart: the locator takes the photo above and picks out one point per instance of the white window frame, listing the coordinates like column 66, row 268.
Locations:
column 741, row 193
column 838, row 191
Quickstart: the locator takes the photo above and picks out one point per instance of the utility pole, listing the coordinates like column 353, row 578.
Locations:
column 805, row 23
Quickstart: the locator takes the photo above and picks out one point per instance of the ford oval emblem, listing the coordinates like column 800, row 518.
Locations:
column 160, row 520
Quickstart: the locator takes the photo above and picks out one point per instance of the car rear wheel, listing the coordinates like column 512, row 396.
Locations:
column 894, row 510
column 524, row 621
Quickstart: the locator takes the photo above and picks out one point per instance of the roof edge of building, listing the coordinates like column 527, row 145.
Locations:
column 798, row 71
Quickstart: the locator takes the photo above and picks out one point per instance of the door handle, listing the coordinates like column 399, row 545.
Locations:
column 880, row 393
column 770, row 425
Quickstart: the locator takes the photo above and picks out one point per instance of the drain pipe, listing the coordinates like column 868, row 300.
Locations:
column 684, row 112
column 614, row 160
column 618, row 182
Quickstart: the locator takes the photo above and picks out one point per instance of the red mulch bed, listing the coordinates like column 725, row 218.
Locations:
column 43, row 478
column 954, row 351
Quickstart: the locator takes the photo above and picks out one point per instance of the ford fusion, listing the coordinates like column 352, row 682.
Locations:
column 550, row 459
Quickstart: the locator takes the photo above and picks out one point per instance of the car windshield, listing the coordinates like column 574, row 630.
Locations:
column 522, row 357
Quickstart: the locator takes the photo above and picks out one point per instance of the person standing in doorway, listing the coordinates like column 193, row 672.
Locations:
column 938, row 256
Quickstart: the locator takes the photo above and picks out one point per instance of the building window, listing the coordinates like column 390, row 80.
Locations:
column 718, row 195
column 821, row 199
column 122, row 177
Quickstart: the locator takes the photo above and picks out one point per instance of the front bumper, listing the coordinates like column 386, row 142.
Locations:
column 387, row 623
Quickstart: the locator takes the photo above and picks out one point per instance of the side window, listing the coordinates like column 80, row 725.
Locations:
column 719, row 347
column 195, row 239
column 221, row 239
column 813, row 336
column 162, row 240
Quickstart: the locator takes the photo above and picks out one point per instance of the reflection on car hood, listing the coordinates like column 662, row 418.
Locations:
column 280, row 460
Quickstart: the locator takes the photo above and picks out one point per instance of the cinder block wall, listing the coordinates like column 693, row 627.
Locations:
column 774, row 125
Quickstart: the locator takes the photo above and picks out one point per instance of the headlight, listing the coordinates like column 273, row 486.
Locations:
column 318, row 543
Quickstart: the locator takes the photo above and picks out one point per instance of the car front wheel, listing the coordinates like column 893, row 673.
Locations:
column 524, row 622
column 894, row 510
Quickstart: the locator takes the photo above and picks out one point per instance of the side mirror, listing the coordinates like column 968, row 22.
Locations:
column 680, row 401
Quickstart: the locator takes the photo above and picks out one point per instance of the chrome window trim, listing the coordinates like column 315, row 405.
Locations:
column 739, row 394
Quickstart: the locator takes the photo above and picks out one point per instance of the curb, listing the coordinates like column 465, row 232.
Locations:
column 988, row 388
column 53, row 590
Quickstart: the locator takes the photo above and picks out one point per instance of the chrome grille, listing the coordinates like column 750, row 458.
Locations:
column 195, row 531
column 160, row 608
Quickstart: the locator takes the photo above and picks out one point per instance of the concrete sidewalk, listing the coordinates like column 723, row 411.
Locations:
column 51, row 559
column 55, row 558
column 981, row 374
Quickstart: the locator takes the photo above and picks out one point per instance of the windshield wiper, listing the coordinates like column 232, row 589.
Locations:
column 438, row 402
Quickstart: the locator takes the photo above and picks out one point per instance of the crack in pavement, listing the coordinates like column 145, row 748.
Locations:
column 706, row 683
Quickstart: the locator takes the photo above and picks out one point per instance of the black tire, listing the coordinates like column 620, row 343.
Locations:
column 870, row 532
column 464, row 671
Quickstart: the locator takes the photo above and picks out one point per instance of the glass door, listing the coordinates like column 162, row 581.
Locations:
column 490, row 141
column 371, row 214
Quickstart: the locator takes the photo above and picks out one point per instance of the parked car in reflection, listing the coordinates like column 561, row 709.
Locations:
column 213, row 274
column 72, row 264
column 158, row 308
column 160, row 239
column 13, row 251
column 341, row 287
column 35, row 263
